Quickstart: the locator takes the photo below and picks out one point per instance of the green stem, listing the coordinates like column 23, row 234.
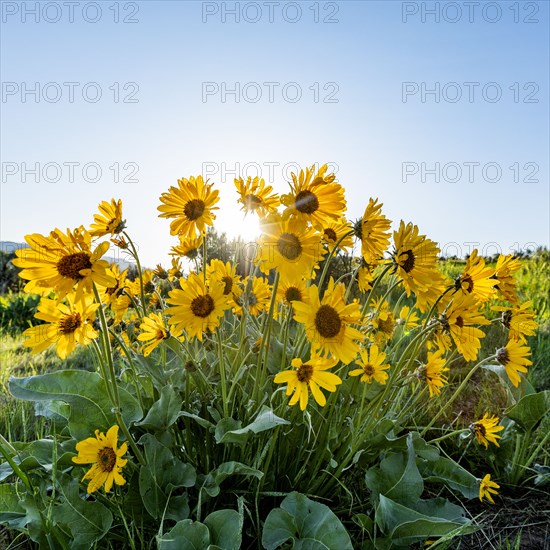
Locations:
column 17, row 470
column 450, row 401
column 373, row 288
column 222, row 375
column 447, row 436
column 330, row 256
column 140, row 272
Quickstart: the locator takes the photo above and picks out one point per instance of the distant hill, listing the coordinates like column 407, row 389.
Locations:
column 11, row 246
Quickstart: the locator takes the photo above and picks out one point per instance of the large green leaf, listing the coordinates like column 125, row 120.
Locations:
column 37, row 454
column 11, row 512
column 87, row 521
column 530, row 410
column 524, row 388
column 164, row 412
column 308, row 524
column 86, row 394
column 404, row 525
column 225, row 529
column 452, row 474
column 397, row 477
column 266, row 420
column 160, row 480
column 186, row 535
column 211, row 482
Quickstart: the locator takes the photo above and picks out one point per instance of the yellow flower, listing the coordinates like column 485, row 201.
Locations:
column 314, row 199
column 106, row 458
column 487, row 488
column 134, row 287
column 432, row 372
column 110, row 294
column 290, row 247
column 515, row 359
column 256, row 197
column 154, row 331
column 307, row 376
column 191, row 204
column 374, row 231
column 256, row 297
column 334, row 230
column 486, row 430
column 188, row 247
column 372, row 366
column 504, row 274
column 176, row 271
column 476, row 279
column 61, row 262
column 408, row 319
column 225, row 275
column 196, row 308
column 382, row 320
column 290, row 290
column 365, row 276
column 520, row 320
column 458, row 321
column 328, row 322
column 109, row 220
column 415, row 261
column 66, row 325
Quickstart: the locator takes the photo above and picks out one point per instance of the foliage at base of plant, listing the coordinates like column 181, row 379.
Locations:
column 259, row 400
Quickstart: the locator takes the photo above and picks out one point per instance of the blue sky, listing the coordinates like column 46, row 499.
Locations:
column 490, row 153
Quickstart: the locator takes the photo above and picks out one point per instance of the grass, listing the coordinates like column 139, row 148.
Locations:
column 17, row 419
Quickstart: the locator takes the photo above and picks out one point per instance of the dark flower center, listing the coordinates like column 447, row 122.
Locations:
column 503, row 356
column 228, row 284
column 194, row 209
column 459, row 321
column 252, row 202
column 307, row 202
column 202, row 306
column 293, row 293
column 252, row 299
column 330, row 234
column 70, row 266
column 479, row 429
column 106, row 459
column 506, row 318
column 327, row 321
column 465, row 283
column 406, row 261
column 289, row 246
column 386, row 325
column 305, row 372
column 369, row 369
column 70, row 323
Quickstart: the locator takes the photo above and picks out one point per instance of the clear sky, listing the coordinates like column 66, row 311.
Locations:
column 440, row 109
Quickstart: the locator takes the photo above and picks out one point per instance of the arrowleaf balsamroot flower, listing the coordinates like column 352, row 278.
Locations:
column 255, row 298
column 191, row 204
column 307, row 376
column 486, row 430
column 106, row 458
column 415, row 262
column 515, row 359
column 476, row 279
column 328, row 322
column 290, row 246
column 314, row 199
column 519, row 320
column 196, row 308
column 66, row 325
column 432, row 372
column 256, row 197
column 504, row 274
column 188, row 247
column 63, row 261
column 458, row 321
column 487, row 488
column 153, row 332
column 374, row 231
column 372, row 366
column 109, row 220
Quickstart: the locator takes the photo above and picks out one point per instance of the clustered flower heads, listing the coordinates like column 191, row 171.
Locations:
column 341, row 333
